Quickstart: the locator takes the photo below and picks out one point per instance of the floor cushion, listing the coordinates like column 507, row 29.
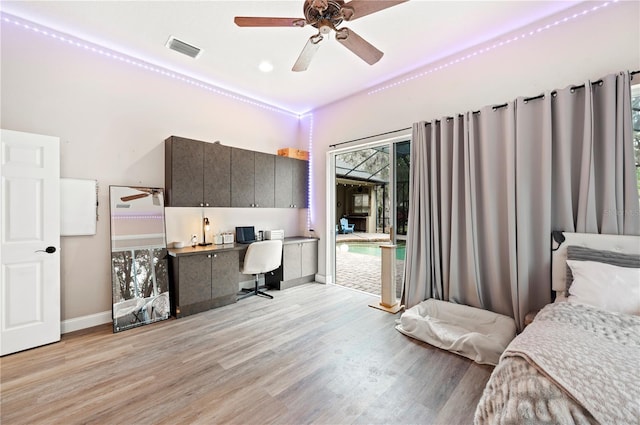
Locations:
column 477, row 334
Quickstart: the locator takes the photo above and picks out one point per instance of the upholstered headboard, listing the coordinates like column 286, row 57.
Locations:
column 561, row 240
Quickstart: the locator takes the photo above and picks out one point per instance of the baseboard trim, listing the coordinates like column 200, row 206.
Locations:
column 83, row 322
column 321, row 278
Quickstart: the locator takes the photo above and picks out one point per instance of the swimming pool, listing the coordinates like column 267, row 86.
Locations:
column 368, row 248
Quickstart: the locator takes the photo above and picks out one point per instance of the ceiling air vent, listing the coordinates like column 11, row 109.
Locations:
column 182, row 47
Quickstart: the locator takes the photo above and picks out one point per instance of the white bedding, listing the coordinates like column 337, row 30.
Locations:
column 574, row 364
column 477, row 334
column 577, row 363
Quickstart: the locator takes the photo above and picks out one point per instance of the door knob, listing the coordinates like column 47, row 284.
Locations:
column 48, row 250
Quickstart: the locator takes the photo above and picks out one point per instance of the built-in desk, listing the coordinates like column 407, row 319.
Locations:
column 206, row 277
column 299, row 263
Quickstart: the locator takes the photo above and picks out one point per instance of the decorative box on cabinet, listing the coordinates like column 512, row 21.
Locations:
column 203, row 281
column 294, row 153
column 291, row 182
column 299, row 263
column 197, row 174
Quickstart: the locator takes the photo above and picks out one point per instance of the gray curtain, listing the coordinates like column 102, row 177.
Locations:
column 487, row 188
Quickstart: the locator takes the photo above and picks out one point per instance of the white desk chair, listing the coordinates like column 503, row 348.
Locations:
column 261, row 257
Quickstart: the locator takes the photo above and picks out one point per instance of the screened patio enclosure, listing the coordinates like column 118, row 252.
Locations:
column 371, row 193
column 362, row 189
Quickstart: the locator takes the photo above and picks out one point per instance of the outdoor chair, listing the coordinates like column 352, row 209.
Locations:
column 345, row 226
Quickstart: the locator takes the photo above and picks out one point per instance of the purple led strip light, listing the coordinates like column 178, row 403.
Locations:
column 137, row 217
column 103, row 51
column 492, row 47
column 310, row 171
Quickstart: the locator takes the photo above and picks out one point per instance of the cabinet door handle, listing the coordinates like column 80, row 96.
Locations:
column 201, row 204
column 208, row 255
column 206, row 204
column 215, row 255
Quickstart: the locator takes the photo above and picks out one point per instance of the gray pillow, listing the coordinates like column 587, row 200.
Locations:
column 580, row 253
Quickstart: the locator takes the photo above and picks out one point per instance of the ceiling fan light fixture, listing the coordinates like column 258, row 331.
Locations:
column 184, row 48
column 326, row 16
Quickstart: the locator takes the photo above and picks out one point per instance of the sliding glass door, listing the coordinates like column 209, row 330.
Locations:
column 370, row 203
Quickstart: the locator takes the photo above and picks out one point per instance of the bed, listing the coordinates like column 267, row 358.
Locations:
column 578, row 362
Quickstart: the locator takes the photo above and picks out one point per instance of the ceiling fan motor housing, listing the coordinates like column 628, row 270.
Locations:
column 316, row 15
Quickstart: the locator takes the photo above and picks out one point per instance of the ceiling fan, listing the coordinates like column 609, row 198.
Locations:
column 145, row 192
column 327, row 15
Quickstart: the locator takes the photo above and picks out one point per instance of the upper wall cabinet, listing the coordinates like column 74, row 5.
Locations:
column 291, row 182
column 201, row 174
column 217, row 175
column 252, row 179
column 197, row 174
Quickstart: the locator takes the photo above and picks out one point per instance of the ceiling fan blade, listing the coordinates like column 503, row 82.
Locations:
column 309, row 50
column 249, row 21
column 358, row 8
column 358, row 45
column 133, row 197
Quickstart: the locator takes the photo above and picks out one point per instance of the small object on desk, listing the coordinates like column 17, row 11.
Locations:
column 194, row 240
column 218, row 239
column 205, row 228
column 227, row 238
column 178, row 244
column 273, row 234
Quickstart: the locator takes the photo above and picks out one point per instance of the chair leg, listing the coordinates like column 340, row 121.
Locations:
column 246, row 292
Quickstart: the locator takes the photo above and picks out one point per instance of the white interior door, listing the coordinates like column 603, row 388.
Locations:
column 29, row 254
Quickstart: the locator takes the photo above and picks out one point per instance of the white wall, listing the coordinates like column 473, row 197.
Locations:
column 184, row 222
column 588, row 47
column 112, row 119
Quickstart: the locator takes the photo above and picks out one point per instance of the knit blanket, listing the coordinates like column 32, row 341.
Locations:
column 573, row 364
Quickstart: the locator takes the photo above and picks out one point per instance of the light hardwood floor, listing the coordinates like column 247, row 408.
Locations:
column 315, row 354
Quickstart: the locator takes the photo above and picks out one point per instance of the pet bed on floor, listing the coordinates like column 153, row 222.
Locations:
column 477, row 334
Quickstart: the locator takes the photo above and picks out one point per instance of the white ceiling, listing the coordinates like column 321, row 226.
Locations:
column 411, row 35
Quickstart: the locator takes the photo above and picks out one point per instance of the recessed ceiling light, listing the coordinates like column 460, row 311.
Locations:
column 265, row 66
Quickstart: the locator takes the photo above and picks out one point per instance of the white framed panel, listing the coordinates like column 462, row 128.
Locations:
column 23, row 287
column 78, row 207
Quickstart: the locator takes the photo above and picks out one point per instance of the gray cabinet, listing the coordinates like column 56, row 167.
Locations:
column 203, row 281
column 252, row 179
column 300, row 177
column 291, row 261
column 197, row 174
column 265, row 180
column 201, row 174
column 217, row 175
column 291, row 182
column 309, row 258
column 183, row 172
column 299, row 263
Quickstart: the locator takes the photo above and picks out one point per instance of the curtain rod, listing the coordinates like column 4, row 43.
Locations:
column 368, row 137
column 553, row 93
column 526, row 99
